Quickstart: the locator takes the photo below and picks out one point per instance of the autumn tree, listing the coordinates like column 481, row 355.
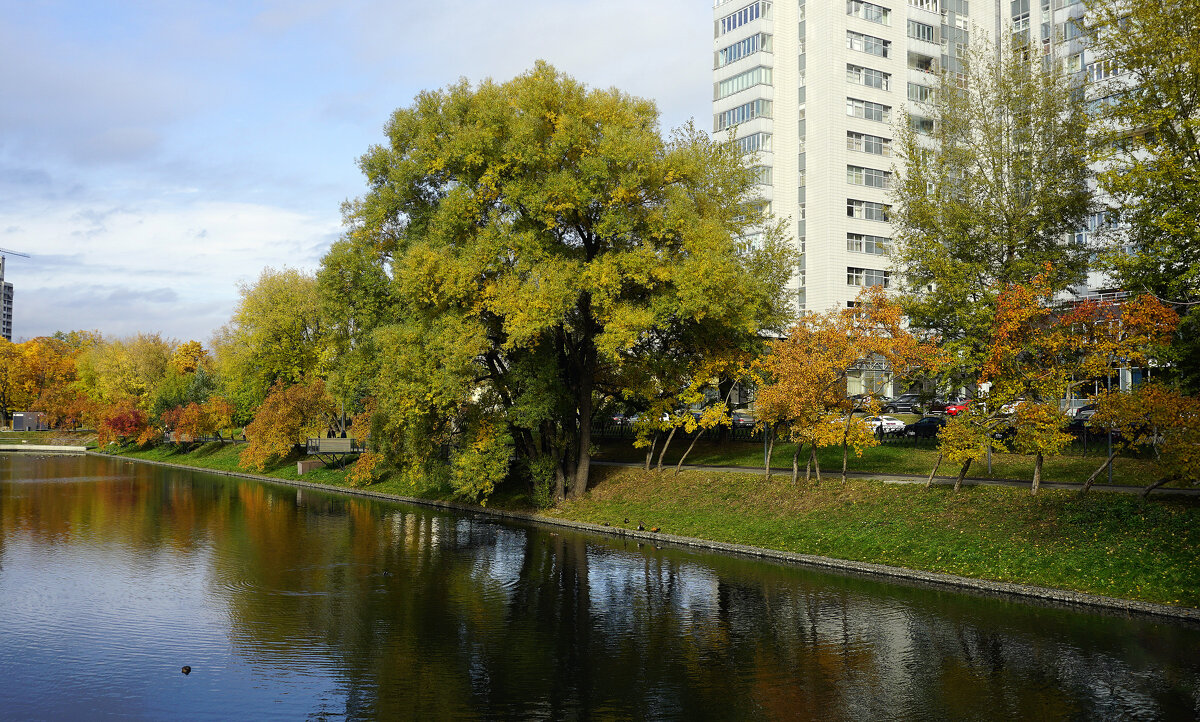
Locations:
column 1040, row 349
column 111, row 371
column 1146, row 133
column 122, row 421
column 288, row 416
column 276, row 334
column 195, row 421
column 1155, row 417
column 994, row 179
column 539, row 237
column 804, row 375
column 188, row 357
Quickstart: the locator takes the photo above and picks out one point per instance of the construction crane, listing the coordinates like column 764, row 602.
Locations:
column 12, row 253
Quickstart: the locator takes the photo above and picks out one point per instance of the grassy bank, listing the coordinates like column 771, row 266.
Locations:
column 1111, row 544
column 891, row 459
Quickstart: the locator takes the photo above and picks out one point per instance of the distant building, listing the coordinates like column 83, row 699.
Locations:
column 6, row 305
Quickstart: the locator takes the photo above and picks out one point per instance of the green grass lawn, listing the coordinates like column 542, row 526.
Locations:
column 1104, row 543
column 889, row 459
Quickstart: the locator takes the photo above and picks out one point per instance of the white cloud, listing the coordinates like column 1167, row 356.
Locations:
column 166, row 268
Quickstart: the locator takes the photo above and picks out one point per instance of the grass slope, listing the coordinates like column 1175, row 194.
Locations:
column 1111, row 544
column 890, row 459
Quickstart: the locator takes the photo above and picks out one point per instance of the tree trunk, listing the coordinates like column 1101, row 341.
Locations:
column 1155, row 485
column 845, row 443
column 688, row 450
column 583, row 468
column 1037, row 473
column 769, row 430
column 665, row 446
column 962, row 474
column 560, row 482
column 796, row 463
column 650, row 450
column 936, row 464
column 816, row 464
column 808, row 468
column 1091, row 479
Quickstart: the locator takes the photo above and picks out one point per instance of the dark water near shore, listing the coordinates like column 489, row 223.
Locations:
column 295, row 604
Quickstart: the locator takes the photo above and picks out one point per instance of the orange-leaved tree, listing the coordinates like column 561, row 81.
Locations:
column 1040, row 349
column 1156, row 417
column 123, row 420
column 803, row 378
column 194, row 421
column 288, row 416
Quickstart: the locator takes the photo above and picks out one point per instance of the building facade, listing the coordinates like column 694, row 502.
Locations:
column 6, row 305
column 816, row 88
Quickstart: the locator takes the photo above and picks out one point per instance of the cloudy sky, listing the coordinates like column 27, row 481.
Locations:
column 154, row 155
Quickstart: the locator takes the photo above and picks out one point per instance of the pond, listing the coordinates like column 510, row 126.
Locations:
column 290, row 603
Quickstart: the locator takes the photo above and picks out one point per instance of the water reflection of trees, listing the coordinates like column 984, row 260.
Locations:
column 416, row 613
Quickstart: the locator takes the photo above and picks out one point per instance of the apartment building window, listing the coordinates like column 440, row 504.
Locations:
column 866, row 210
column 919, row 93
column 862, row 243
column 869, row 12
column 922, row 62
column 868, row 77
column 744, row 15
column 920, row 124
column 928, row 5
column 866, row 143
column 754, row 143
column 869, row 177
column 868, row 277
column 759, row 42
column 870, row 111
column 760, row 108
column 868, row 44
column 921, row 31
column 1102, row 70
column 762, row 175
column 742, row 81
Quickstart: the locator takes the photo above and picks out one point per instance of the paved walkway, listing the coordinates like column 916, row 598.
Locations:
column 42, row 449
column 921, row 479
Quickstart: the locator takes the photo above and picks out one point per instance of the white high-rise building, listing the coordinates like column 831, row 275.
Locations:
column 816, row 87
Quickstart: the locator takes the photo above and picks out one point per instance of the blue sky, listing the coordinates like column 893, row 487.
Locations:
column 154, row 155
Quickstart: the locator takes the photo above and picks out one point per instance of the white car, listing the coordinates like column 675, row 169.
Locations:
column 888, row 424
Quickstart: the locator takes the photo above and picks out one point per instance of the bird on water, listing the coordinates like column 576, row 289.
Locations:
column 186, row 669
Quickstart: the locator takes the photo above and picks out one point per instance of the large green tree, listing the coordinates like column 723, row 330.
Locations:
column 1147, row 92
column 994, row 178
column 531, row 245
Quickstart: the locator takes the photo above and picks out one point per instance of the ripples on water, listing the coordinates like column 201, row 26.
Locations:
column 293, row 604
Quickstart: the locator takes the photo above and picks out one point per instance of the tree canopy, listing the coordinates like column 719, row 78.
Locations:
column 540, row 241
column 989, row 193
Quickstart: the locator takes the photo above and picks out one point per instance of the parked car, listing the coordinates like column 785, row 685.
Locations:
column 1011, row 408
column 1085, row 412
column 859, row 400
column 743, row 419
column 926, row 428
column 885, row 424
column 904, row 403
column 957, row 407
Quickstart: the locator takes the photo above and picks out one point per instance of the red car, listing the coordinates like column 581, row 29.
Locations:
column 957, row 407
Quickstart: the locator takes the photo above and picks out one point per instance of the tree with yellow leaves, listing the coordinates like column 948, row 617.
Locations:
column 803, row 377
column 525, row 244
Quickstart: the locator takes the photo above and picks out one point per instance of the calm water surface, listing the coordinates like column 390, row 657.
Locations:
column 295, row 604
